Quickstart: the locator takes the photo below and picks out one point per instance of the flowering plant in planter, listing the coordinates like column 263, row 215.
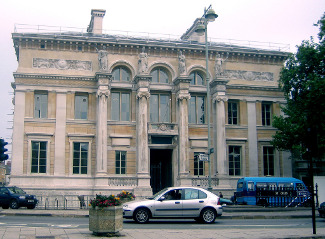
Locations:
column 102, row 201
column 126, row 195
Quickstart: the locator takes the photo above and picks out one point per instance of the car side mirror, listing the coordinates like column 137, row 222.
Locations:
column 162, row 198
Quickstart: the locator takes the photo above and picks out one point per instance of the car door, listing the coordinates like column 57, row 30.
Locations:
column 4, row 196
column 194, row 201
column 169, row 205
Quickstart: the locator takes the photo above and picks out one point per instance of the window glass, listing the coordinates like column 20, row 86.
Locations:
column 198, row 165
column 80, row 158
column 197, row 78
column 266, row 114
column 160, row 108
column 232, row 113
column 121, row 73
column 81, row 106
column 120, row 162
column 159, row 75
column 40, row 102
column 197, row 110
column 39, row 156
column 120, row 106
column 234, row 160
column 194, row 194
column 115, row 109
column 250, row 186
column 268, row 160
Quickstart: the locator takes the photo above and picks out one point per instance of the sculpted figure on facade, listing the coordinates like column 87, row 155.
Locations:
column 181, row 63
column 143, row 62
column 103, row 59
column 219, row 64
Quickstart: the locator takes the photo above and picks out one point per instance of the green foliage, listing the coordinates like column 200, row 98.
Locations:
column 303, row 83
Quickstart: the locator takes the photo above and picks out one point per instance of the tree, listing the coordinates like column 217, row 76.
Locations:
column 302, row 128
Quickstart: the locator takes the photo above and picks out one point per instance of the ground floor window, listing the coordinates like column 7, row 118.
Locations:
column 39, row 157
column 198, row 165
column 80, row 157
column 234, row 160
column 120, row 162
column 268, row 160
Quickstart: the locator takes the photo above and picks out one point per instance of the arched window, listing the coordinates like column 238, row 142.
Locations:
column 159, row 75
column 121, row 73
column 197, row 78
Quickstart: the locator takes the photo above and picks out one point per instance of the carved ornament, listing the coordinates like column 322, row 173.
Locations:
column 249, row 75
column 61, row 64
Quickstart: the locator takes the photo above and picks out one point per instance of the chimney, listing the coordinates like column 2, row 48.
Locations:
column 96, row 22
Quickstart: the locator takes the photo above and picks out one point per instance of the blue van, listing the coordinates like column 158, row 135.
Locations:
column 271, row 191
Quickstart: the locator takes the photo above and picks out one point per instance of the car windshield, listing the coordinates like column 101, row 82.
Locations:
column 16, row 190
column 156, row 195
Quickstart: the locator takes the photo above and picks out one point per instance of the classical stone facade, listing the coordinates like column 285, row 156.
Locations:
column 97, row 113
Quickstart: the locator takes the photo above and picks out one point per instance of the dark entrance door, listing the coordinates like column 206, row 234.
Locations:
column 160, row 169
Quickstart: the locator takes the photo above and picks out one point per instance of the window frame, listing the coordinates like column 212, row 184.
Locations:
column 230, row 112
column 267, row 158
column 190, row 113
column 159, row 70
column 119, row 169
column 159, row 112
column 233, row 155
column 80, row 159
column 42, row 113
column 266, row 113
column 200, row 165
column 81, row 107
column 193, row 76
column 120, row 105
column 121, row 70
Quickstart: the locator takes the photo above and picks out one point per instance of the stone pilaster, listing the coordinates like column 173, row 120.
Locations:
column 143, row 95
column 252, row 139
column 60, row 132
column 183, row 96
column 218, row 91
column 103, row 92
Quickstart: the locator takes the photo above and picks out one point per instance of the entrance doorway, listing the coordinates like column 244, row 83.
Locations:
column 160, row 169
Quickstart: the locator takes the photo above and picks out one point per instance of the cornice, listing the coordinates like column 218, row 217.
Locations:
column 255, row 87
column 53, row 77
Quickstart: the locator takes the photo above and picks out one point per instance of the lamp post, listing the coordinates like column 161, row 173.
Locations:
column 208, row 16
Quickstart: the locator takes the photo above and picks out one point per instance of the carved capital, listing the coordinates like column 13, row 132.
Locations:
column 219, row 98
column 103, row 93
column 141, row 94
column 183, row 96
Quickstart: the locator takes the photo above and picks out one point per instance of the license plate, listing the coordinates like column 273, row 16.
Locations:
column 30, row 200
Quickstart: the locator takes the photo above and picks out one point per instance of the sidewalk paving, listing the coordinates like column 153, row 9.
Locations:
column 23, row 232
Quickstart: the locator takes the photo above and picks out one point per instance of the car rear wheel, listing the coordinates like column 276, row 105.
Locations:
column 208, row 215
column 141, row 215
column 14, row 204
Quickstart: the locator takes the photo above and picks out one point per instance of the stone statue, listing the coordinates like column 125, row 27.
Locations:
column 219, row 64
column 181, row 63
column 143, row 62
column 103, row 59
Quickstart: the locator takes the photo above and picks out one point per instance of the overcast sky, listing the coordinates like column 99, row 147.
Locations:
column 279, row 21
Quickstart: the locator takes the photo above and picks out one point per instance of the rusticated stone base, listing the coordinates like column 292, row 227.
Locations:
column 106, row 220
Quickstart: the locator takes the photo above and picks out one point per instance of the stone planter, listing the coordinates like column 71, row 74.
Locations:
column 106, row 220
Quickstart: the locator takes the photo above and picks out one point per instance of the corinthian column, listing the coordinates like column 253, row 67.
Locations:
column 183, row 96
column 143, row 96
column 103, row 93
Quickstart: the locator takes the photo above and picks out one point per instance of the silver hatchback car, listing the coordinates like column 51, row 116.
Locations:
column 176, row 202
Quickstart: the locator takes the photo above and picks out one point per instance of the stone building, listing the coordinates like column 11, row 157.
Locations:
column 98, row 113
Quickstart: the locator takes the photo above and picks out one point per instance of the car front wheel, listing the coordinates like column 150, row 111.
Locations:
column 208, row 215
column 14, row 204
column 141, row 215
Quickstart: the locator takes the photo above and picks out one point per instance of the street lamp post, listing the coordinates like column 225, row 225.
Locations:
column 208, row 16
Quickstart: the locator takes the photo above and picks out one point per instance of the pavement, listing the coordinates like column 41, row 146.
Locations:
column 229, row 212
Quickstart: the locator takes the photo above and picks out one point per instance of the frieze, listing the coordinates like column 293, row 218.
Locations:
column 61, row 64
column 248, row 75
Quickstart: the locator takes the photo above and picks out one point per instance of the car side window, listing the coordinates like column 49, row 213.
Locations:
column 3, row 190
column 194, row 194
column 173, row 195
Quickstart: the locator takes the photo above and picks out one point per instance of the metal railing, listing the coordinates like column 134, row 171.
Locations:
column 64, row 202
column 148, row 37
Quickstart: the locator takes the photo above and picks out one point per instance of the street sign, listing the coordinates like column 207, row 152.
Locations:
column 203, row 157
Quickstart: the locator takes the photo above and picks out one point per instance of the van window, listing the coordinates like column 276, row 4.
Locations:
column 261, row 185
column 250, row 186
column 285, row 185
column 240, row 185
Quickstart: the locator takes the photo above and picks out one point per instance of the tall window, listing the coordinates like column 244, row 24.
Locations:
column 81, row 106
column 121, row 73
column 266, row 114
column 120, row 162
column 159, row 75
column 232, row 113
column 268, row 160
column 234, row 160
column 198, row 165
column 197, row 78
column 80, row 158
column 120, row 106
column 159, row 108
column 39, row 155
column 196, row 110
column 40, row 102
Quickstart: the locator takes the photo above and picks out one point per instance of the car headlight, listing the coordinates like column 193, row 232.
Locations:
column 22, row 197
